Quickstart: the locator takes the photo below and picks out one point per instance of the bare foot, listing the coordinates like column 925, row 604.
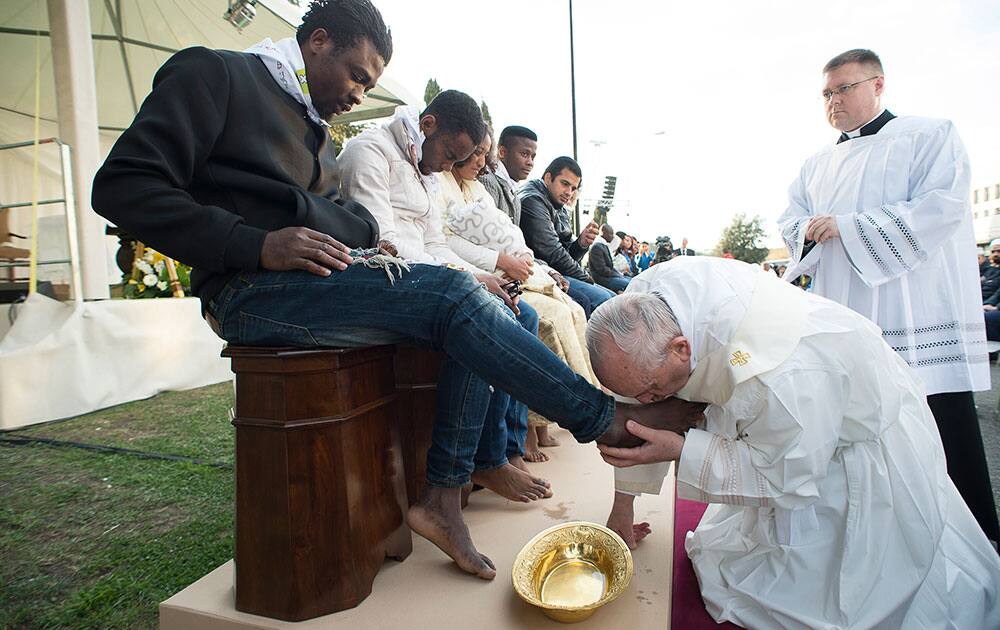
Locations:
column 544, row 439
column 673, row 414
column 438, row 518
column 518, row 462
column 513, row 484
column 531, row 452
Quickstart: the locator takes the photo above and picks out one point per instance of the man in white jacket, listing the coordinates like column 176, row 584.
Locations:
column 391, row 171
column 830, row 503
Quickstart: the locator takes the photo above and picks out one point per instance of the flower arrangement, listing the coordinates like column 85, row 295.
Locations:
column 150, row 276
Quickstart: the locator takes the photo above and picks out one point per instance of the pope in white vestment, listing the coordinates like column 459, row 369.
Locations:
column 830, row 502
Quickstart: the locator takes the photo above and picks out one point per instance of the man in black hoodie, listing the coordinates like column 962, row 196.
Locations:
column 546, row 226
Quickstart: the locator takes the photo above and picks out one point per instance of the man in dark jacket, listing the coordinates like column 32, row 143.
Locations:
column 516, row 152
column 546, row 226
column 602, row 268
column 229, row 167
column 990, row 281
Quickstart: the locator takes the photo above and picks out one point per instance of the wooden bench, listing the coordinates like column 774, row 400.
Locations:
column 330, row 451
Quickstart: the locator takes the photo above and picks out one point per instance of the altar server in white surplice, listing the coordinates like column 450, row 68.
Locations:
column 830, row 503
column 881, row 221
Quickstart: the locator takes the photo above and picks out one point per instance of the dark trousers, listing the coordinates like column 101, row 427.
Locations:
column 955, row 414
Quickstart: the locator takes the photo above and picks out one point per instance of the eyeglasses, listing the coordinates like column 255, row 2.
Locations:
column 844, row 90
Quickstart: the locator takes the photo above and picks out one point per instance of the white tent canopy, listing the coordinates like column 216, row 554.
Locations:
column 132, row 39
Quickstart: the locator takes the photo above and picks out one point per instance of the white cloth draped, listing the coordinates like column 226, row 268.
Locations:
column 905, row 258
column 831, row 505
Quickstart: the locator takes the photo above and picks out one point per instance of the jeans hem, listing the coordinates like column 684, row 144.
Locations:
column 449, row 483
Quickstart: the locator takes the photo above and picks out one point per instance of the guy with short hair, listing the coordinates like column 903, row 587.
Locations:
column 601, row 263
column 881, row 222
column 390, row 170
column 517, row 148
column 547, row 228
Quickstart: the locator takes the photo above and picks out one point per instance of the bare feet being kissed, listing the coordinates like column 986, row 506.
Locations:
column 531, row 451
column 672, row 414
column 544, row 439
column 513, row 484
column 437, row 516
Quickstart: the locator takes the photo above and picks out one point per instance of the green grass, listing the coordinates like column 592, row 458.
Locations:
column 97, row 540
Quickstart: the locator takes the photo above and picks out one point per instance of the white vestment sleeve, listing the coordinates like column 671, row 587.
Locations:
column 779, row 456
column 364, row 177
column 642, row 479
column 891, row 240
column 792, row 222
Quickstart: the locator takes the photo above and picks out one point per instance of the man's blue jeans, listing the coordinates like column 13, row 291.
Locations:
column 506, row 424
column 593, row 293
column 616, row 284
column 434, row 307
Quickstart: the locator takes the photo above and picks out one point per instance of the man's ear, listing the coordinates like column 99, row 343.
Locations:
column 501, row 152
column 547, row 178
column 428, row 124
column 319, row 40
column 681, row 346
column 879, row 86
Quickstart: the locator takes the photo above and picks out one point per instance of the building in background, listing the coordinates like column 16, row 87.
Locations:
column 986, row 213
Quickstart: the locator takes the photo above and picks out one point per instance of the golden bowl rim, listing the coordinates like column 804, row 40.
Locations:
column 608, row 597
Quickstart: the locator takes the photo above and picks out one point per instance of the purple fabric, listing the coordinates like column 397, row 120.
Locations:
column 687, row 612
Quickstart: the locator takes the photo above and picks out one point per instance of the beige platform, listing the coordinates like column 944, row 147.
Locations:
column 428, row 591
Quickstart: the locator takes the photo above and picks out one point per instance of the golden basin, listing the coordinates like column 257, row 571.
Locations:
column 572, row 569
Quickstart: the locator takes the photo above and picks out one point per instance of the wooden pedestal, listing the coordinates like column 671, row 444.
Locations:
column 417, row 374
column 321, row 493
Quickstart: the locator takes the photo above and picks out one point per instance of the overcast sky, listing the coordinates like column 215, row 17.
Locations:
column 705, row 109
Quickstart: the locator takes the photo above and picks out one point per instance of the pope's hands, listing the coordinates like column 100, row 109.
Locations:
column 822, row 228
column 301, row 248
column 660, row 446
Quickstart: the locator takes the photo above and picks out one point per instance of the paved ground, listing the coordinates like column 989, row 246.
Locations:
column 989, row 421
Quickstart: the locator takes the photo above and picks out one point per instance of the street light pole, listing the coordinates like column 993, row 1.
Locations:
column 572, row 83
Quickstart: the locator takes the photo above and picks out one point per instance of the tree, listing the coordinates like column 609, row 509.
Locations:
column 742, row 239
column 486, row 113
column 432, row 90
column 342, row 132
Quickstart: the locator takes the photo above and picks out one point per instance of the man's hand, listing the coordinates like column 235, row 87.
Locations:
column 495, row 286
column 660, row 446
column 516, row 268
column 560, row 280
column 388, row 247
column 822, row 228
column 589, row 234
column 301, row 248
column 989, row 307
column 621, row 521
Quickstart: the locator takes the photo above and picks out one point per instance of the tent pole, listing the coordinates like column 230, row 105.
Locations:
column 76, row 104
column 572, row 84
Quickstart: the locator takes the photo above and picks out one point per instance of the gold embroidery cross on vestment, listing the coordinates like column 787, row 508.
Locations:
column 739, row 358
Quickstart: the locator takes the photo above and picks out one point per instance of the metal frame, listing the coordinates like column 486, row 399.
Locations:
column 69, row 200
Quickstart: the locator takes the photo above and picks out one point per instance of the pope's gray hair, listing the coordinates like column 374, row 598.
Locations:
column 640, row 324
